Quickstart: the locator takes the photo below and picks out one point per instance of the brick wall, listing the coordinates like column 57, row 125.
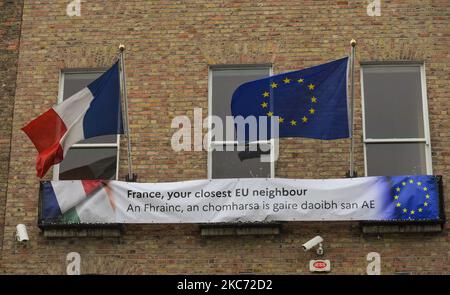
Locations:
column 10, row 21
column 170, row 45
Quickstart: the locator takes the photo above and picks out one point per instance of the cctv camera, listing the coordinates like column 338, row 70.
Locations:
column 21, row 233
column 317, row 240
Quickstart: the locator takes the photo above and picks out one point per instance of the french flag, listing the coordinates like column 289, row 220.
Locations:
column 78, row 201
column 93, row 111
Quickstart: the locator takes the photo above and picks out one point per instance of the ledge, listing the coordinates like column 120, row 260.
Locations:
column 240, row 230
column 82, row 231
column 407, row 228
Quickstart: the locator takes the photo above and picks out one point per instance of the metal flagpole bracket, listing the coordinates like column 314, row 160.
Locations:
column 347, row 174
column 131, row 177
column 352, row 173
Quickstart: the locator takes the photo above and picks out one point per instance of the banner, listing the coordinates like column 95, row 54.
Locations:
column 380, row 198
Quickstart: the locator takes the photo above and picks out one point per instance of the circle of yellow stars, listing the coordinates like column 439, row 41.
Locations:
column 405, row 210
column 292, row 121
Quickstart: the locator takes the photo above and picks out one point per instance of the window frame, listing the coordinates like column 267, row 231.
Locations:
column 426, row 124
column 272, row 142
column 116, row 145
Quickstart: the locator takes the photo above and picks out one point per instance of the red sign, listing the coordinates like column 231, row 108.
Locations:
column 320, row 264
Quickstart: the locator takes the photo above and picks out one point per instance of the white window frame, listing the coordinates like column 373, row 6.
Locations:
column 426, row 139
column 273, row 143
column 62, row 74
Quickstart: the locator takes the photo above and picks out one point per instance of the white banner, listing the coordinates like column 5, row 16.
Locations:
column 242, row 200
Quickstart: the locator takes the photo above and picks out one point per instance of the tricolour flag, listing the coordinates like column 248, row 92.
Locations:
column 87, row 201
column 309, row 103
column 93, row 111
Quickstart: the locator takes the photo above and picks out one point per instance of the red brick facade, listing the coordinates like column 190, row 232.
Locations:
column 170, row 46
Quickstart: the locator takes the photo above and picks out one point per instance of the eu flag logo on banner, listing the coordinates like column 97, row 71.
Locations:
column 308, row 103
column 414, row 198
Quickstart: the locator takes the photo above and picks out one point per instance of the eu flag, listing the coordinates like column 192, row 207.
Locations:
column 309, row 103
column 414, row 197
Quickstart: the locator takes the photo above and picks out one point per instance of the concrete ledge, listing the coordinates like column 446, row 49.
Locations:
column 383, row 229
column 82, row 232
column 240, row 230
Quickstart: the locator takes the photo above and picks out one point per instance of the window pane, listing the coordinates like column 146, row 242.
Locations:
column 226, row 164
column 89, row 163
column 74, row 82
column 395, row 159
column 101, row 139
column 244, row 164
column 225, row 81
column 393, row 102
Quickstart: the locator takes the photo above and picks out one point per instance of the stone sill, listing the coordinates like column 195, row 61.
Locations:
column 83, row 232
column 408, row 228
column 116, row 231
column 240, row 230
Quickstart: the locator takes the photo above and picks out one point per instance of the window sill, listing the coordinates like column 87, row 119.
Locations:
column 401, row 228
column 240, row 230
column 82, row 231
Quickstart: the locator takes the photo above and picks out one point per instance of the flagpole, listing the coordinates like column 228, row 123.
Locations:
column 131, row 176
column 352, row 112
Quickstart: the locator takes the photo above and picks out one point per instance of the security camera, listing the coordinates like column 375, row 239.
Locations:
column 316, row 241
column 21, row 233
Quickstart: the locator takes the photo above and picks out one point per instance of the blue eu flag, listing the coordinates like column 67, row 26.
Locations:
column 308, row 103
column 414, row 197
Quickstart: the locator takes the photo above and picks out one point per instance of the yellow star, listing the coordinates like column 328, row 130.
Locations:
column 313, row 99
column 395, row 197
column 312, row 111
column 264, row 104
column 300, row 80
column 411, row 181
column 398, row 204
column 304, row 119
column 425, row 204
column 405, row 210
column 425, row 188
column 287, row 80
column 420, row 209
column 266, row 94
column 280, row 119
column 412, row 212
column 293, row 123
column 311, row 86
column 403, row 183
column 274, row 85
column 270, row 114
column 419, row 183
column 397, row 189
column 427, row 196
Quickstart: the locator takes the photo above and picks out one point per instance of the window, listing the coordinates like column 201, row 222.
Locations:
column 395, row 119
column 224, row 160
column 93, row 158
